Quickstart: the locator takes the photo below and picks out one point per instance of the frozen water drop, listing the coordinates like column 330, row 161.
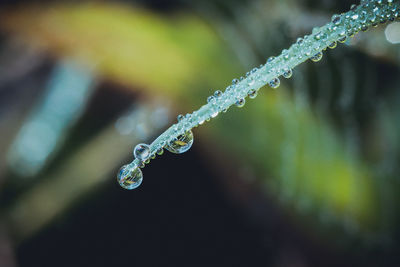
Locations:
column 130, row 177
column 181, row 144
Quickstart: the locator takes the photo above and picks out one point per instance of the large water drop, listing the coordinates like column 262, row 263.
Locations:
column 130, row 177
column 181, row 144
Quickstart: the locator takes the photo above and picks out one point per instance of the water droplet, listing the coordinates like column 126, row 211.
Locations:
column 180, row 117
column 252, row 93
column 354, row 17
column 353, row 7
column 240, row 103
column 336, row 19
column 317, row 57
column 142, row 152
column 235, row 81
column 211, row 99
column 332, row 45
column 300, row 41
column 287, row 73
column 129, row 177
column 181, row 144
column 274, row 83
column 343, row 39
column 217, row 93
column 160, row 151
column 270, row 59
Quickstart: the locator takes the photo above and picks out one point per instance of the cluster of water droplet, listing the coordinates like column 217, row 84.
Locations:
column 179, row 137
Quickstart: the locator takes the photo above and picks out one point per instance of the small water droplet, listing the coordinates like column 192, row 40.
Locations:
column 270, row 59
column 217, row 93
column 142, row 152
column 179, row 117
column 181, row 144
column 287, row 73
column 129, row 177
column 300, row 41
column 317, row 57
column 336, row 19
column 160, row 151
column 211, row 99
column 274, row 83
column 252, row 93
column 332, row 45
column 343, row 39
column 240, row 103
column 235, row 81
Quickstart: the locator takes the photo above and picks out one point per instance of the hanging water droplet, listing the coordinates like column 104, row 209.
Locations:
column 274, row 83
column 240, row 103
column 160, row 151
column 129, row 177
column 252, row 93
column 142, row 152
column 336, row 19
column 332, row 45
column 181, row 144
column 343, row 39
column 287, row 73
column 317, row 57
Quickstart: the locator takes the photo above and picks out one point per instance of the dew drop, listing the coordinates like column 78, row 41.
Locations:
column 211, row 99
column 287, row 73
column 343, row 39
column 179, row 118
column 240, row 103
column 332, row 45
column 252, row 93
column 142, row 152
column 336, row 19
column 270, row 59
column 317, row 57
column 217, row 93
column 160, row 151
column 129, row 177
column 181, row 144
column 235, row 81
column 274, row 83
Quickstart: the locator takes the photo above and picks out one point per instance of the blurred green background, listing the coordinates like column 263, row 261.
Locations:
column 306, row 175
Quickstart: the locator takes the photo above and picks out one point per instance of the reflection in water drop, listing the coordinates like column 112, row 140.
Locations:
column 129, row 177
column 181, row 144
